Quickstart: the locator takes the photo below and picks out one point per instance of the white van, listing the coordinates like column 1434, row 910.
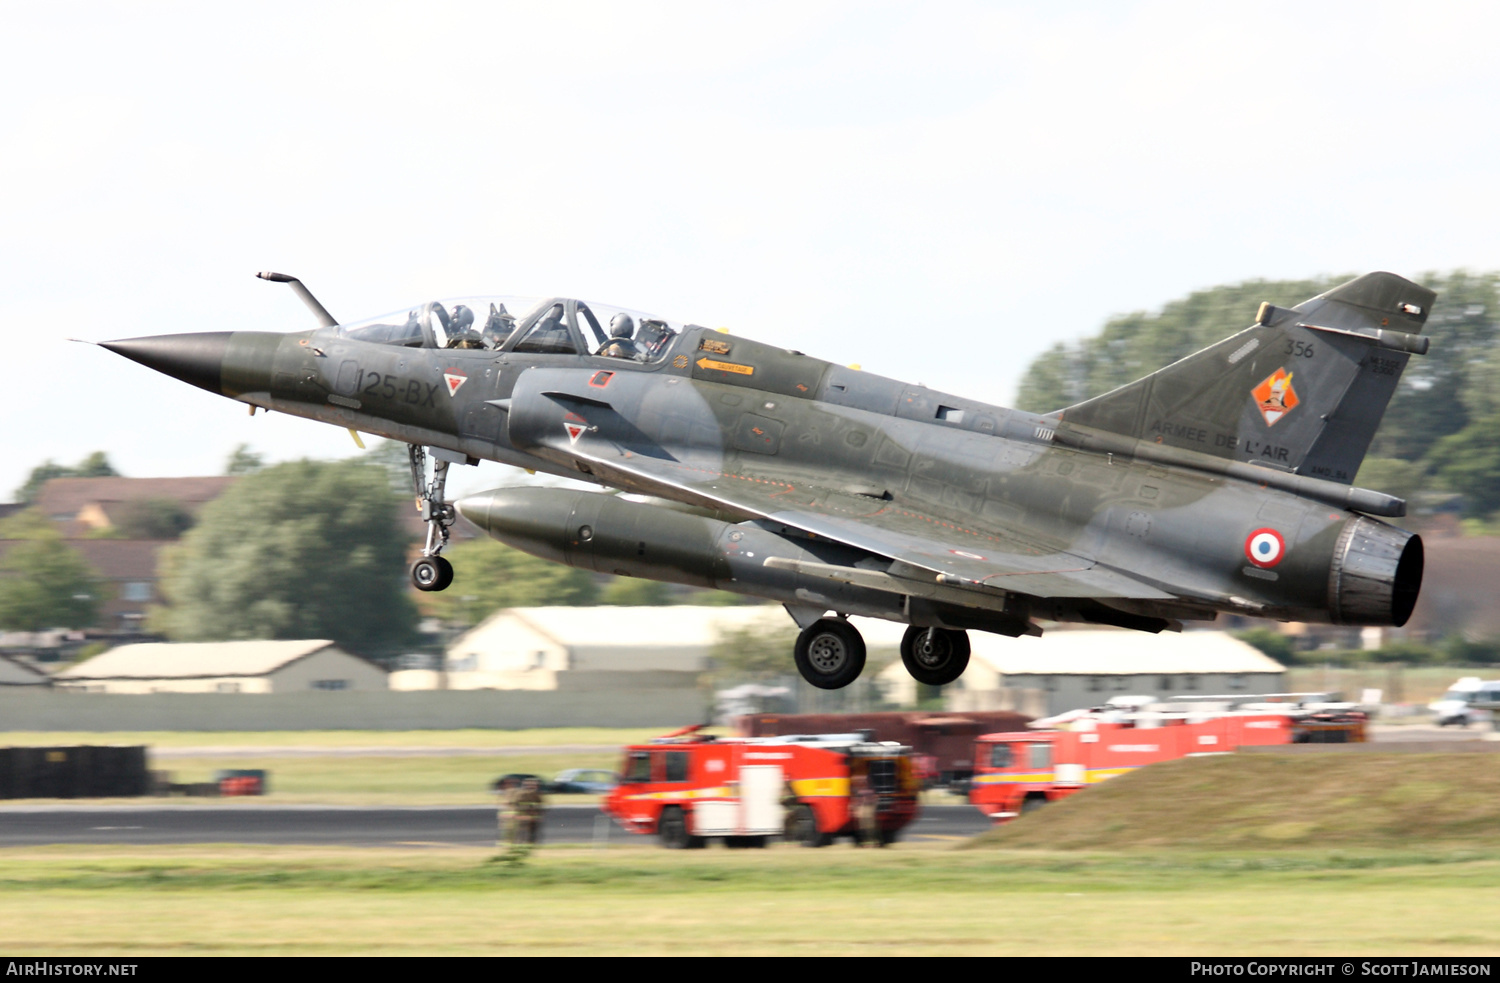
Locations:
column 1468, row 700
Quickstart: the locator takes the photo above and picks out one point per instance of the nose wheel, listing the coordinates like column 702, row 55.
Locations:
column 431, row 572
column 830, row 653
column 935, row 656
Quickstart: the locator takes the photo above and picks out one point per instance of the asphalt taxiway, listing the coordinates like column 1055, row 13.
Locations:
column 251, row 822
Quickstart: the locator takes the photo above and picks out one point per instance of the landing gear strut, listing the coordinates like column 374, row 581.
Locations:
column 830, row 653
column 431, row 572
column 935, row 656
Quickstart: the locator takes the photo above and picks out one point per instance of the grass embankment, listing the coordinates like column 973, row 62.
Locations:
column 1362, row 800
column 908, row 900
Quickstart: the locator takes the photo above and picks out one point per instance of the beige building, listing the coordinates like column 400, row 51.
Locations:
column 1070, row 668
column 538, row 648
column 223, row 667
column 16, row 673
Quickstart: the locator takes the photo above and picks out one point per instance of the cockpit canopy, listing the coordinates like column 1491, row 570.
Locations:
column 552, row 326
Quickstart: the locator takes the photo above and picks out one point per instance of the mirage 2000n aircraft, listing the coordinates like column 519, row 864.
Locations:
column 1220, row 483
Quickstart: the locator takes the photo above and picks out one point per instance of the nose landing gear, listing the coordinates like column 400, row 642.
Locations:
column 431, row 572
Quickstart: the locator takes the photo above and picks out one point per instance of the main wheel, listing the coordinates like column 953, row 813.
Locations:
column 830, row 653
column 672, row 828
column 935, row 657
column 431, row 573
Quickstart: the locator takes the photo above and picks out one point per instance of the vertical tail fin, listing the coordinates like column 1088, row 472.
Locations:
column 1302, row 390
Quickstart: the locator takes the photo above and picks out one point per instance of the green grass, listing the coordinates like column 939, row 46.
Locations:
column 1398, row 684
column 474, row 738
column 638, row 900
column 408, row 780
column 1268, row 800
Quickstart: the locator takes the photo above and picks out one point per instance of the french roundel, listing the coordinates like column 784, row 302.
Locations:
column 1265, row 547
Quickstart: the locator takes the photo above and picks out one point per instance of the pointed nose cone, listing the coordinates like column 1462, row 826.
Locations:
column 197, row 359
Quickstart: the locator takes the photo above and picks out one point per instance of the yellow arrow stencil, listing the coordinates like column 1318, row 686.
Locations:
column 708, row 363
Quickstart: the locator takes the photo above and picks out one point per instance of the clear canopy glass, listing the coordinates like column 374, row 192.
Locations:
column 528, row 325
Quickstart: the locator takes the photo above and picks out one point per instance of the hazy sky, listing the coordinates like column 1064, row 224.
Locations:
column 937, row 191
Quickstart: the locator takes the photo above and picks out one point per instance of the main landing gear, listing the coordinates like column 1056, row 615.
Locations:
column 431, row 571
column 935, row 656
column 830, row 654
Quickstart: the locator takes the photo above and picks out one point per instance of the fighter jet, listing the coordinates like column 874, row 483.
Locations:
column 1220, row 483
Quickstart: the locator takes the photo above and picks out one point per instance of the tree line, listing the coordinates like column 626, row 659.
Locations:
column 304, row 549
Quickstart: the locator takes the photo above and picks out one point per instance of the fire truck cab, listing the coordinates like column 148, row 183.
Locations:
column 687, row 788
column 1019, row 772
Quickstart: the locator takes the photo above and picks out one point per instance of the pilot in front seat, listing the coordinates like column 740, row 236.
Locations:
column 621, row 344
column 461, row 333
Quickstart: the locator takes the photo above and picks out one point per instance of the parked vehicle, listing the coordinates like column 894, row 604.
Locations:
column 687, row 787
column 944, row 742
column 1019, row 772
column 583, row 781
column 1470, row 700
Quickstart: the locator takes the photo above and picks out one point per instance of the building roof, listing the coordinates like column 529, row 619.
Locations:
column 1117, row 652
column 65, row 497
column 112, row 559
column 608, row 626
column 184, row 660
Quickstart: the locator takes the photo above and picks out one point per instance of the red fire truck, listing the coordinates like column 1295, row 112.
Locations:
column 1019, row 772
column 687, row 787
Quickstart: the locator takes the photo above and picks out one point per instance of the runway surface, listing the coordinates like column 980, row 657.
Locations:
column 353, row 826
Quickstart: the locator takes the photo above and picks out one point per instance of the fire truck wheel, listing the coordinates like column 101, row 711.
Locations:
column 830, row 653
column 672, row 828
column 1032, row 803
column 935, row 657
column 805, row 828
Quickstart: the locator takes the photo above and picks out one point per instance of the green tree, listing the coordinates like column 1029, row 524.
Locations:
column 96, row 465
column 45, row 584
column 751, row 654
column 488, row 575
column 1404, row 479
column 27, row 524
column 152, row 518
column 395, row 459
column 301, row 550
column 636, row 592
column 242, row 460
column 1270, row 642
column 1468, row 462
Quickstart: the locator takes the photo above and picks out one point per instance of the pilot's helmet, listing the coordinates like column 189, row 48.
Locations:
column 622, row 325
column 462, row 318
